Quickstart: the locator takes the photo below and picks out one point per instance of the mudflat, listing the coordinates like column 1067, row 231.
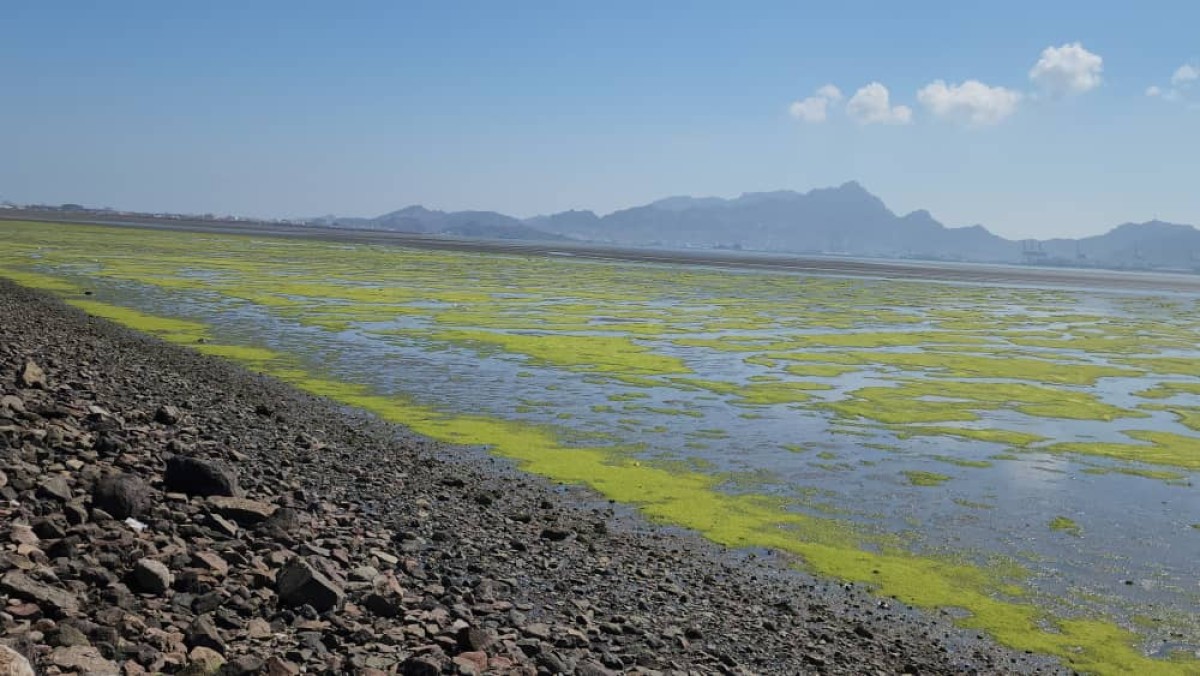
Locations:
column 169, row 511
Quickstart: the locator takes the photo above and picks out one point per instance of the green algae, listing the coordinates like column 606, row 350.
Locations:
column 919, row 401
column 921, row 478
column 962, row 462
column 1170, row 388
column 172, row 330
column 1159, row 448
column 1064, row 525
column 817, row 370
column 1006, row 437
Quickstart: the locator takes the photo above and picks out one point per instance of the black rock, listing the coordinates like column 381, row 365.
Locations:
column 122, row 496
column 197, row 476
column 299, row 584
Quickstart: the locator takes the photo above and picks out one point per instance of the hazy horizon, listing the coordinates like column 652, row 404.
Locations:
column 1032, row 121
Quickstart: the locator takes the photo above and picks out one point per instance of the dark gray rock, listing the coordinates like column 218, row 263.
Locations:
column 299, row 584
column 122, row 496
column 197, row 476
column 152, row 576
column 202, row 632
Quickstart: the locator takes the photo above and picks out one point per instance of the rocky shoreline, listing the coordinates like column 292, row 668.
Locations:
column 163, row 511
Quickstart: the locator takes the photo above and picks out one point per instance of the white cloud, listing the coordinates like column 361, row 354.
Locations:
column 872, row 105
column 1069, row 69
column 972, row 102
column 1185, row 74
column 1183, row 80
column 815, row 108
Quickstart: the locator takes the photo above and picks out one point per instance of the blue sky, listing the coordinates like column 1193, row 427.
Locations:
column 357, row 108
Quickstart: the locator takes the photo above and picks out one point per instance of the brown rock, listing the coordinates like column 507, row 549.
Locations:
column 258, row 629
column 475, row 662
column 32, row 376
column 58, row 602
column 243, row 511
column 23, row 534
column 277, row 666
column 298, row 583
column 203, row 661
column 152, row 576
column 211, row 561
column 13, row 663
column 83, row 659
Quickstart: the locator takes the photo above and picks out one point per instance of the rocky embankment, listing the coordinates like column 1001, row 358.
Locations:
column 161, row 511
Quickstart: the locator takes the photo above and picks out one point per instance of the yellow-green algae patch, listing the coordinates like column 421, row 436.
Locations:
column 1065, row 525
column 1006, row 437
column 1170, row 388
column 1160, row 448
column 596, row 353
column 921, row 478
column 173, row 330
column 922, row 401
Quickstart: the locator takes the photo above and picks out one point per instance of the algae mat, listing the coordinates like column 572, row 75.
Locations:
column 1023, row 457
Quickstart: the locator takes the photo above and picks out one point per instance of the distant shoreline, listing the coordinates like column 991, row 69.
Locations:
column 812, row 264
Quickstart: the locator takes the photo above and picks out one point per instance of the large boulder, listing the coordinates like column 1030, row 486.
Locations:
column 197, row 476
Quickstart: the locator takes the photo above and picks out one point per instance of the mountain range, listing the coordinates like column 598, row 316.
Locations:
column 843, row 220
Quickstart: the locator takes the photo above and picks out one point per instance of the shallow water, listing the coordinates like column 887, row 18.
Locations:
column 938, row 441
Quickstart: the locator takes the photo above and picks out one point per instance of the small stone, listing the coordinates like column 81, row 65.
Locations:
column 32, row 376
column 66, row 635
column 593, row 669
column 83, row 659
column 242, row 511
column 298, row 584
column 12, row 403
column 259, row 629
column 475, row 662
column 420, row 666
column 212, row 561
column 167, row 415
column 13, row 663
column 197, row 476
column 244, row 664
column 55, row 487
column 152, row 576
column 381, row 605
column 556, row 534
column 22, row 534
column 203, row 661
column 476, row 639
column 122, row 496
column 202, row 632
column 277, row 666
column 222, row 525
